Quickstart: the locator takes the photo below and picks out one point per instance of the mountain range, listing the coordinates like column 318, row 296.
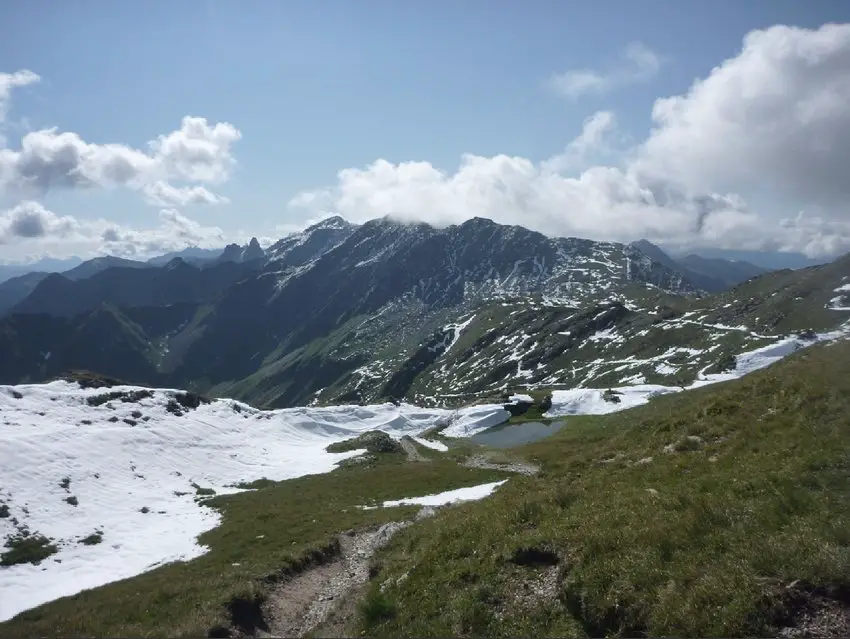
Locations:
column 439, row 316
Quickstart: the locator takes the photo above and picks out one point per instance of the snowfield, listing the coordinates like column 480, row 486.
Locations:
column 134, row 468
column 591, row 401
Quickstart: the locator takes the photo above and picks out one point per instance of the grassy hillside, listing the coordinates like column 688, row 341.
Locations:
column 718, row 512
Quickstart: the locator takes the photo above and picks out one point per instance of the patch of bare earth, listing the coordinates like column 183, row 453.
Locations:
column 481, row 461
column 817, row 615
column 323, row 599
column 411, row 451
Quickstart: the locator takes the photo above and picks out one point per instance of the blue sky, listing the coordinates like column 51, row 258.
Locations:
column 317, row 87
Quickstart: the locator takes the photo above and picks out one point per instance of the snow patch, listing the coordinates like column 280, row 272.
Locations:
column 471, row 493
column 429, row 443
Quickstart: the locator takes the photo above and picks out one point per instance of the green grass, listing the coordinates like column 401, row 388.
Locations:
column 92, row 539
column 27, row 548
column 699, row 541
column 373, row 441
column 263, row 535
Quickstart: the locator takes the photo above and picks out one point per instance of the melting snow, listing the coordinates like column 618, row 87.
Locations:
column 430, row 443
column 470, row 493
column 586, row 401
column 117, row 468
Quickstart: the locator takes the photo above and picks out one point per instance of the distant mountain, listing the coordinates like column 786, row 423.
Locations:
column 191, row 255
column 730, row 272
column 176, row 282
column 768, row 260
column 236, row 253
column 46, row 265
column 17, row 288
column 98, row 264
column 713, row 275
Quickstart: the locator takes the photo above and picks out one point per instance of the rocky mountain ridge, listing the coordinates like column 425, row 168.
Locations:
column 355, row 313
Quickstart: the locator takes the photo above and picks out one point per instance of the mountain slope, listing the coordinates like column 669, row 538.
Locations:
column 191, row 255
column 17, row 288
column 710, row 274
column 715, row 513
column 177, row 282
column 387, row 269
column 99, row 264
column 730, row 272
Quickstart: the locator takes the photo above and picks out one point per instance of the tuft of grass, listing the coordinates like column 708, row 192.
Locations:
column 72, row 500
column 203, row 492
column 65, row 483
column 4, row 511
column 93, row 539
column 376, row 608
column 263, row 482
column 27, row 549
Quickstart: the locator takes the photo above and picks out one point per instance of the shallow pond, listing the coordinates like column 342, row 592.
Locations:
column 509, row 435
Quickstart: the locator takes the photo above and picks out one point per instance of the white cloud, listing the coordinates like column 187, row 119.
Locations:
column 9, row 81
column 30, row 220
column 29, row 228
column 770, row 119
column 165, row 194
column 598, row 137
column 773, row 117
column 197, row 151
column 638, row 64
column 49, row 159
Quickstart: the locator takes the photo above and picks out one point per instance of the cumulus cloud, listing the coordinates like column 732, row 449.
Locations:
column 30, row 220
column 637, row 64
column 49, row 159
column 770, row 120
column 31, row 228
column 164, row 194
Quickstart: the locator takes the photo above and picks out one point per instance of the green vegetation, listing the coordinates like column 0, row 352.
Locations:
column 715, row 512
column 265, row 535
column 88, row 379
column 93, row 539
column 374, row 441
column 4, row 511
column 202, row 492
column 26, row 548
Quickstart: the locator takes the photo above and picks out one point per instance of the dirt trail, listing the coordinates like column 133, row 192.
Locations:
column 481, row 461
column 324, row 597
